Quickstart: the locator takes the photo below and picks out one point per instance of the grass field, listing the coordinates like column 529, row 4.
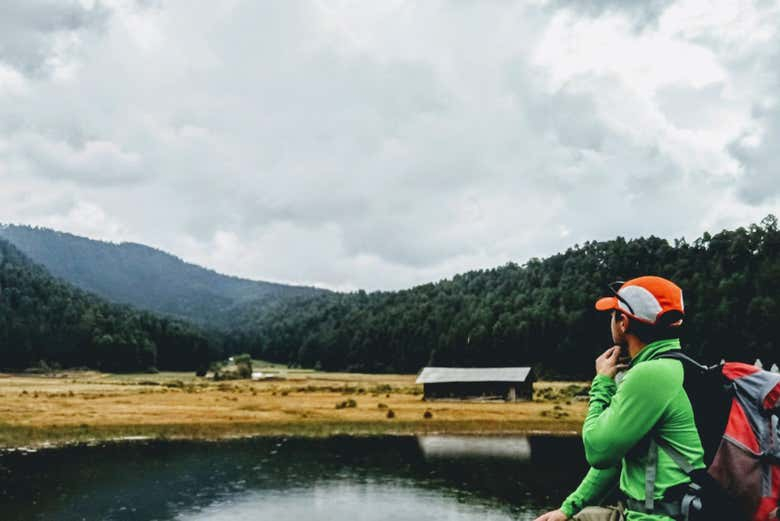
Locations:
column 90, row 406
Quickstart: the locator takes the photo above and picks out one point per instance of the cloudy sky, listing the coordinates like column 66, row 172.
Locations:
column 378, row 145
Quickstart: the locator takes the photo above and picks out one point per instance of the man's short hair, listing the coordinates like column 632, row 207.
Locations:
column 653, row 332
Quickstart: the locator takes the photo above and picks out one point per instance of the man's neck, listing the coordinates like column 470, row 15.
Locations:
column 634, row 346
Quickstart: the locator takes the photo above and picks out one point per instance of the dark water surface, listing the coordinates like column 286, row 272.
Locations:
column 294, row 479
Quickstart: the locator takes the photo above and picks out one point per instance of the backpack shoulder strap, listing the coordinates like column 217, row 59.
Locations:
column 677, row 456
column 651, row 471
column 682, row 357
column 651, row 468
column 673, row 453
column 657, row 443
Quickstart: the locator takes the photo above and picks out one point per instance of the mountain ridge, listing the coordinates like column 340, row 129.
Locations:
column 539, row 313
column 146, row 277
column 46, row 321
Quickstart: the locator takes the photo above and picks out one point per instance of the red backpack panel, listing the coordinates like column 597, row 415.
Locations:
column 747, row 463
column 736, row 407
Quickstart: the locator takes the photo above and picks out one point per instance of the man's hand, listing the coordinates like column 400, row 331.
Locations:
column 607, row 364
column 555, row 515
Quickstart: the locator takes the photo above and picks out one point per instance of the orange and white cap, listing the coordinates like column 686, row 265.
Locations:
column 646, row 299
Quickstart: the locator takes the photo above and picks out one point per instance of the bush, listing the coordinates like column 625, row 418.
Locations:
column 238, row 367
column 390, row 414
column 346, row 404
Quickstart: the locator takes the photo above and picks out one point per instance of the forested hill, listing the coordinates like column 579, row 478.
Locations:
column 45, row 319
column 539, row 313
column 145, row 277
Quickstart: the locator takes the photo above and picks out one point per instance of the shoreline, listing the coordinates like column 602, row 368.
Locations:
column 27, row 439
column 91, row 408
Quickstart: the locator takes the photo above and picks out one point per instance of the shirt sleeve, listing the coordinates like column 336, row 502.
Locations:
column 593, row 489
column 620, row 416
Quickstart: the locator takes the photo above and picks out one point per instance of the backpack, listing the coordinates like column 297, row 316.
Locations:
column 736, row 408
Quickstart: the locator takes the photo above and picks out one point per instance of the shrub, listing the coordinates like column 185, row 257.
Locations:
column 390, row 414
column 346, row 404
column 237, row 367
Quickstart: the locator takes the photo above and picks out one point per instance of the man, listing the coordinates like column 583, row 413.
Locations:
column 624, row 421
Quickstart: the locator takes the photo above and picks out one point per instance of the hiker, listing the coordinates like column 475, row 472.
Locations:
column 624, row 421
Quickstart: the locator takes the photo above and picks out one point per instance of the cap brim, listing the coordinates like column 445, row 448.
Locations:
column 607, row 303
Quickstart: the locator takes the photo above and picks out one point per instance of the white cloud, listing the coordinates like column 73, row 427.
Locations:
column 608, row 46
column 41, row 37
column 92, row 162
column 11, row 81
column 384, row 144
column 85, row 218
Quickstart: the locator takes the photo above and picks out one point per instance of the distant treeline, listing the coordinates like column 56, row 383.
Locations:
column 43, row 319
column 540, row 313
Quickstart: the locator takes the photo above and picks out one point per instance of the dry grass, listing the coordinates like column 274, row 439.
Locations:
column 82, row 406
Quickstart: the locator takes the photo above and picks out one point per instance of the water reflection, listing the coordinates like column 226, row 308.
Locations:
column 505, row 447
column 375, row 479
column 339, row 502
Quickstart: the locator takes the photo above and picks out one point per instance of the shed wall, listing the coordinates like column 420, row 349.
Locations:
column 510, row 391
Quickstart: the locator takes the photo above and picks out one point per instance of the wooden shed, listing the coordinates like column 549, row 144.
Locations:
column 507, row 383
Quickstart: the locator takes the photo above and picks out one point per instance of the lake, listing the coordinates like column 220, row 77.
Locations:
column 284, row 479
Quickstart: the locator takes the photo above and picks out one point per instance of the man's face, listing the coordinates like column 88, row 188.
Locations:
column 618, row 329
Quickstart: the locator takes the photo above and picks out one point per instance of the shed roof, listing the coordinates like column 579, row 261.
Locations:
column 430, row 375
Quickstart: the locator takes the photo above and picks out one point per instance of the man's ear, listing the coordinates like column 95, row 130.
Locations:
column 623, row 323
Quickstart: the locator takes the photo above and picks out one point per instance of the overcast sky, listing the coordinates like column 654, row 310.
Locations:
column 379, row 145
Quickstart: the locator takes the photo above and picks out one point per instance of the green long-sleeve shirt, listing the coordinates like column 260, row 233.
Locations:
column 619, row 420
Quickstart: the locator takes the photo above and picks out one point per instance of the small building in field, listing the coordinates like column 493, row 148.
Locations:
column 506, row 383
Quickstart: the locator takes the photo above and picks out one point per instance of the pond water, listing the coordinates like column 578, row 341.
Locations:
column 442, row 478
